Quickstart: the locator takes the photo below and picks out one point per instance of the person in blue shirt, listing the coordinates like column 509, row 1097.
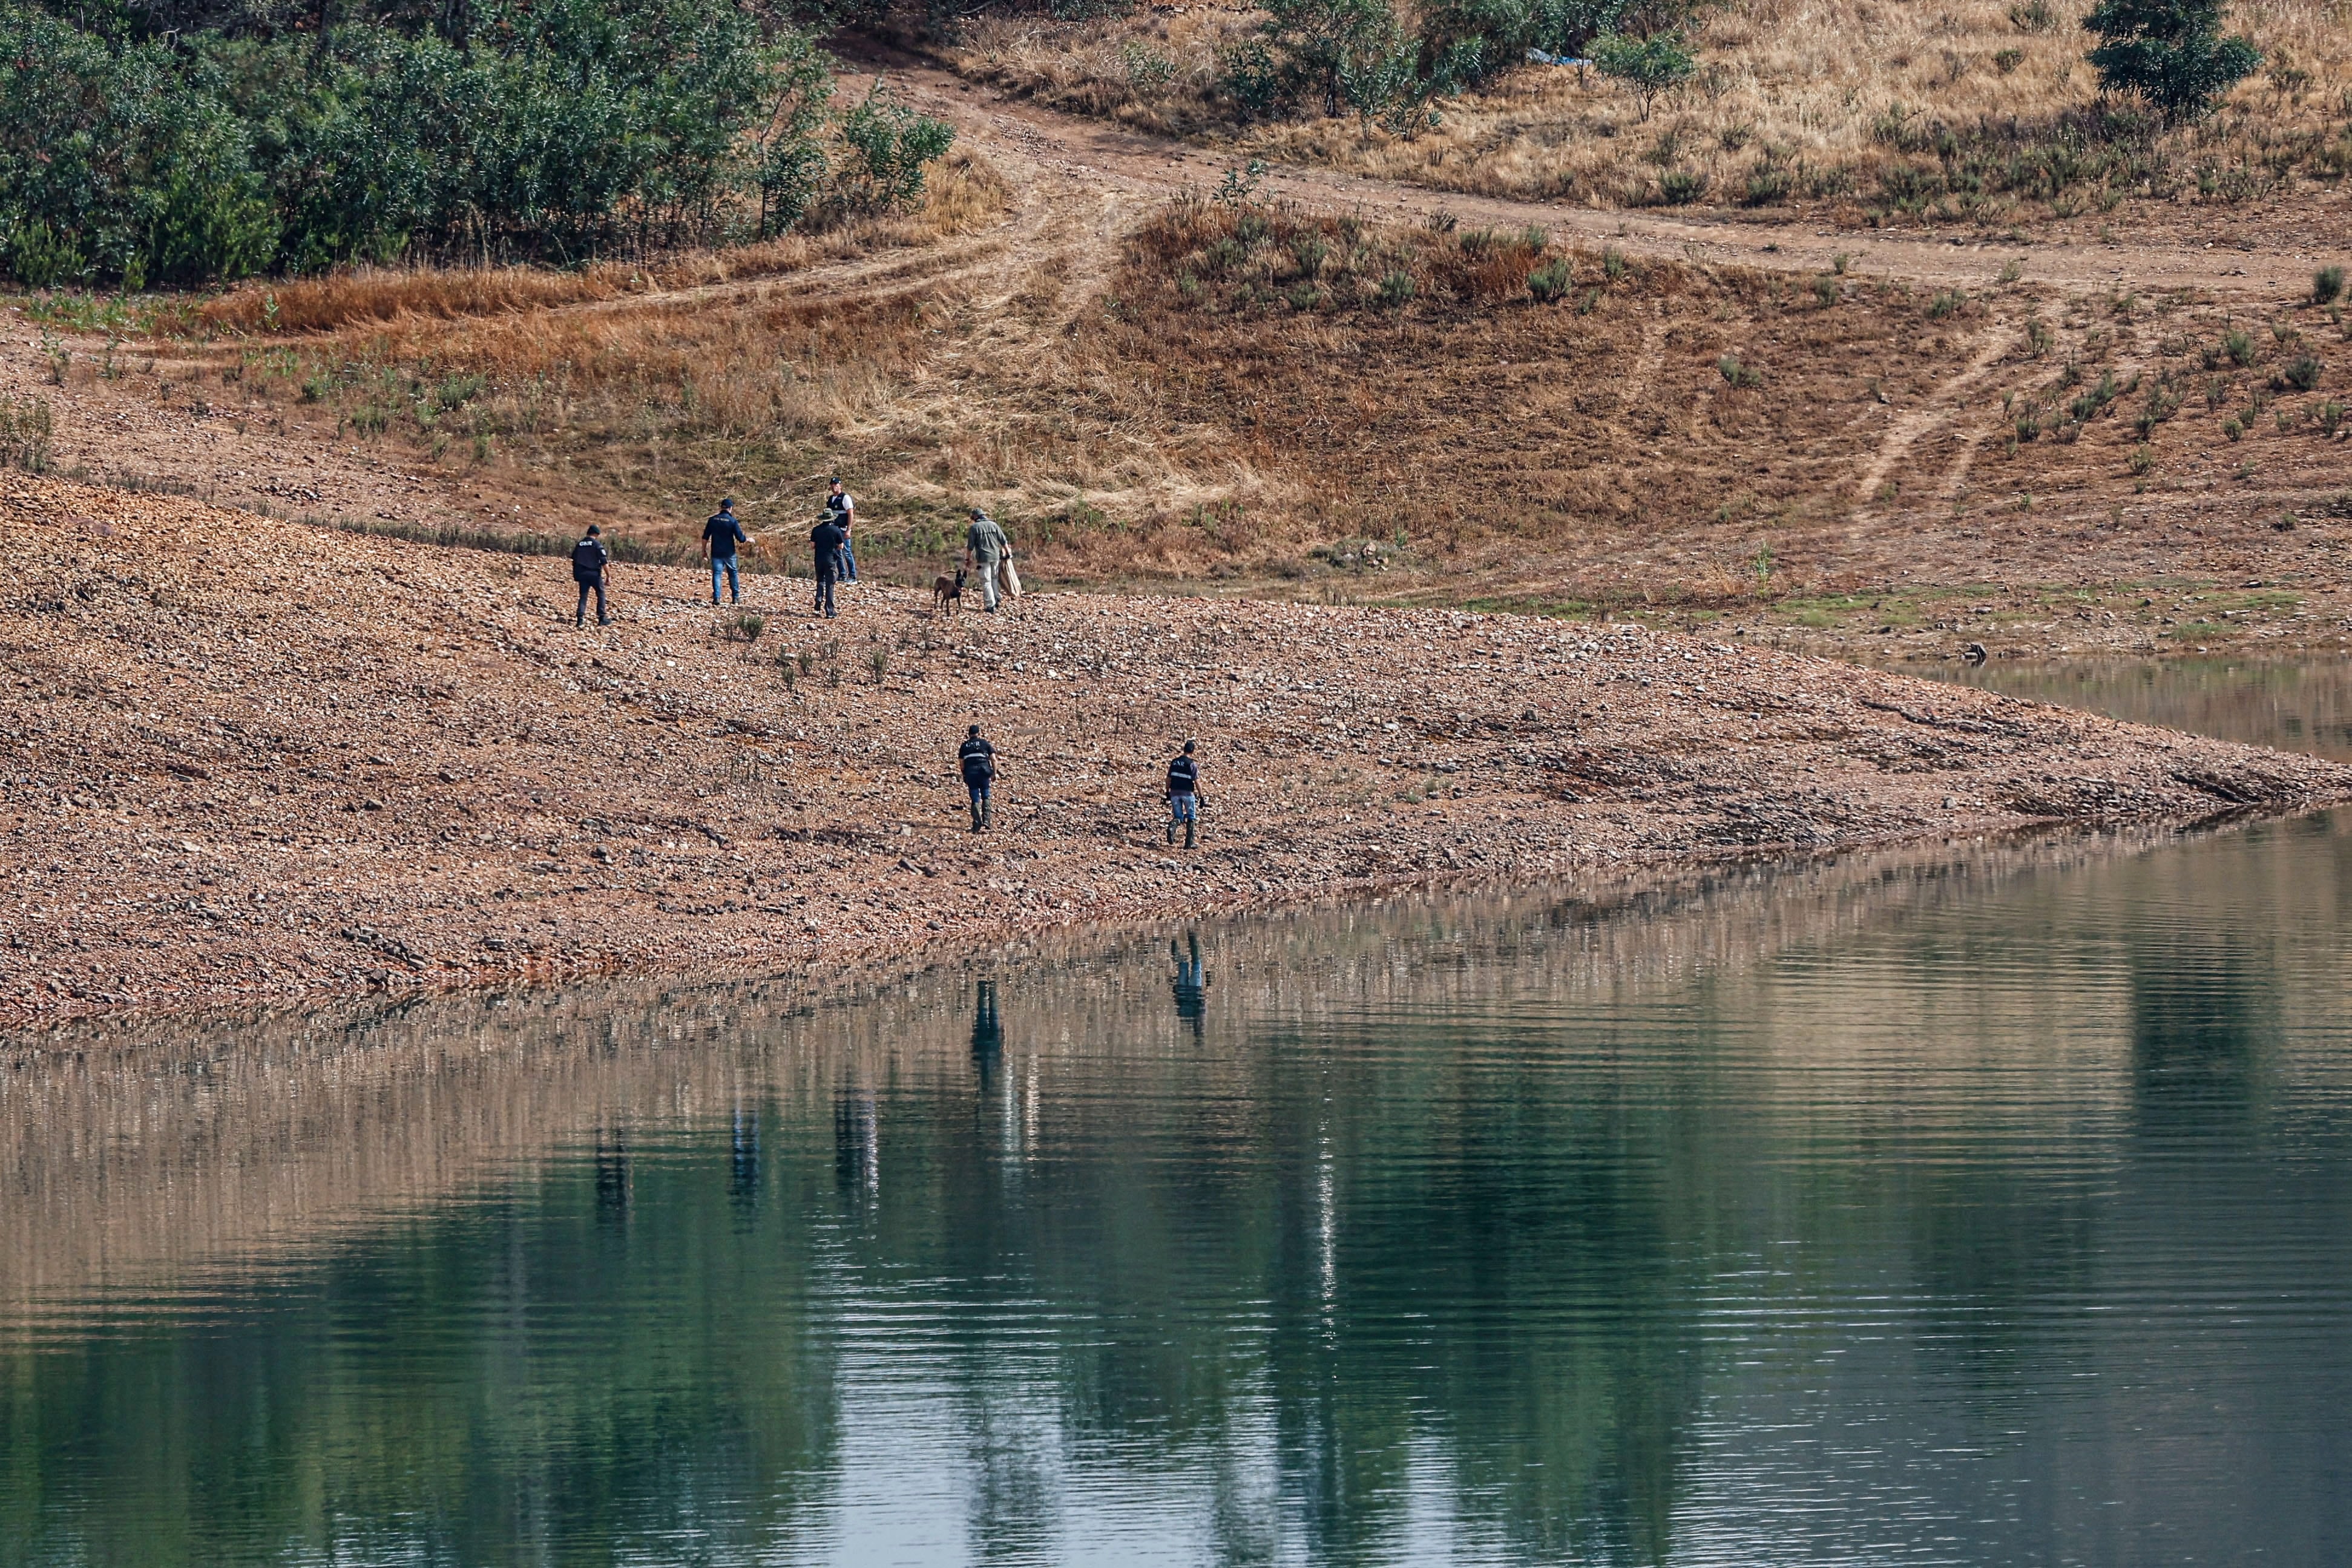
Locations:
column 720, row 535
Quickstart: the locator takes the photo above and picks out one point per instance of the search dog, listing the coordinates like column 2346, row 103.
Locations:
column 947, row 593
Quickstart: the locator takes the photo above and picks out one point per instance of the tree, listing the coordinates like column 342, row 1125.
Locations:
column 2170, row 52
column 1649, row 66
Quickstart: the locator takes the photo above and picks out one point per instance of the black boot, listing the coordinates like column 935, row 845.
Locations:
column 1171, row 830
column 1188, row 835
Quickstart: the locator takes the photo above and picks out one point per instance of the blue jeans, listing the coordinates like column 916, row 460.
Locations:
column 979, row 803
column 725, row 564
column 849, row 561
column 1182, row 807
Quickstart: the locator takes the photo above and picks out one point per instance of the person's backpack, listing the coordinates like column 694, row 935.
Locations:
column 587, row 560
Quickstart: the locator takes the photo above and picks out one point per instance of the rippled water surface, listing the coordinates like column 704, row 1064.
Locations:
column 1974, row 1207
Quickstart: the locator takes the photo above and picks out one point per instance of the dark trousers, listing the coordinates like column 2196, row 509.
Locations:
column 824, row 592
column 580, row 613
column 979, row 805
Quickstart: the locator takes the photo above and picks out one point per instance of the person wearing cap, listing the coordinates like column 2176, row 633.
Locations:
column 1183, row 795
column 720, row 535
column 590, row 561
column 841, row 511
column 976, row 760
column 984, row 548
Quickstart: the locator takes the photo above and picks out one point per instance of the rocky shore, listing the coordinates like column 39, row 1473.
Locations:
column 245, row 759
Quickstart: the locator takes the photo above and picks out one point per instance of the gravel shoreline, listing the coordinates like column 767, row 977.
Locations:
column 243, row 760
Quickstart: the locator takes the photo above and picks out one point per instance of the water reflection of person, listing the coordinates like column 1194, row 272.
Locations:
column 987, row 1033
column 743, row 1162
column 1191, row 983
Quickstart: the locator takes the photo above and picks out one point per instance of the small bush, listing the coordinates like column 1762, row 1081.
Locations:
column 2233, row 429
column 1551, row 282
column 2034, row 16
column 2239, row 346
column 2028, row 427
column 1396, row 290
column 747, row 627
column 1681, row 187
column 2038, row 336
column 1826, row 290
column 25, row 424
column 1737, row 374
column 878, row 661
column 2330, row 415
column 2302, row 372
column 1947, row 303
column 2142, row 459
column 2007, row 60
column 2326, row 284
column 807, row 658
column 1612, row 263
column 1768, row 184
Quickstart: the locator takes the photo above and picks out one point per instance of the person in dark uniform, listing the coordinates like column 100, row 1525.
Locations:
column 976, row 759
column 1183, row 795
column 824, row 539
column 590, row 561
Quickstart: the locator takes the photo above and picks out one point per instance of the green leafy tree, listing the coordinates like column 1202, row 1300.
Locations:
column 2170, row 52
column 1650, row 65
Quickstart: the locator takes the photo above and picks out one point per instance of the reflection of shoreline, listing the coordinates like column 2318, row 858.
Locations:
column 2291, row 704
column 138, row 1150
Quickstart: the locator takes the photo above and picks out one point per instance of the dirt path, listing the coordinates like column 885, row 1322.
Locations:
column 1094, row 155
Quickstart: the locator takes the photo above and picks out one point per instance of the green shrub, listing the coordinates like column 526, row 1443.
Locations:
column 1551, row 282
column 2170, row 52
column 1649, row 66
column 1681, row 187
column 501, row 129
column 2302, row 373
column 2239, row 346
column 2326, row 284
column 1395, row 289
column 1737, row 374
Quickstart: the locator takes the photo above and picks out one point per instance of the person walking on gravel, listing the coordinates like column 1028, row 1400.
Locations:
column 985, row 548
column 590, row 561
column 1183, row 796
column 720, row 535
column 825, row 541
column 841, row 510
column 976, row 759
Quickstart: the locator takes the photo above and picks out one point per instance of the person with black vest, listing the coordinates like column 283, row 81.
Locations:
column 590, row 561
column 841, row 510
column 976, row 759
column 1183, row 795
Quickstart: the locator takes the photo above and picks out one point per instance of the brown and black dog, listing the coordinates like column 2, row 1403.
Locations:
column 947, row 593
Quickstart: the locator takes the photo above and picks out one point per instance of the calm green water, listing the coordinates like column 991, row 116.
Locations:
column 1970, row 1207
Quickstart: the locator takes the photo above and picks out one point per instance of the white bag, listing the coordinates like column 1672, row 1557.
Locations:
column 1010, row 578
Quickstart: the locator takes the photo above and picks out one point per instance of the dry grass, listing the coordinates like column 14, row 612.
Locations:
column 1847, row 102
column 963, row 194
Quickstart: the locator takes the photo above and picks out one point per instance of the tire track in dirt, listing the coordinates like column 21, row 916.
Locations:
column 1936, row 409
